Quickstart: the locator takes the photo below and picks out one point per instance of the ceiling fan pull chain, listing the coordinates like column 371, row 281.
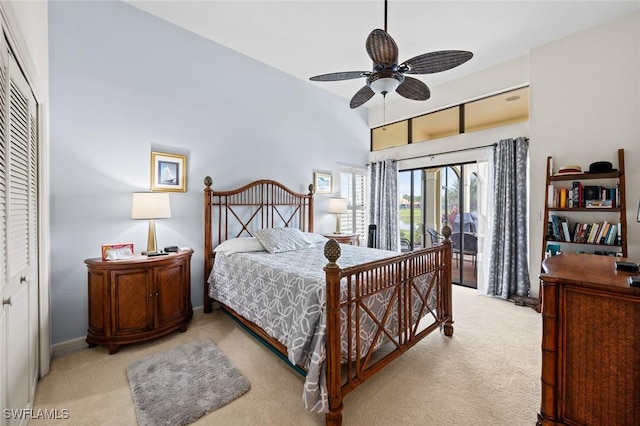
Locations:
column 384, row 111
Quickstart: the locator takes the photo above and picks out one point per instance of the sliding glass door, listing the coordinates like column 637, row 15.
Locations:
column 430, row 198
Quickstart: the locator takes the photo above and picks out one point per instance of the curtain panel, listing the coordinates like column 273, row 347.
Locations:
column 383, row 203
column 508, row 264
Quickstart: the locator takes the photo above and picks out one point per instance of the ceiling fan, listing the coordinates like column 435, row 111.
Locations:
column 387, row 75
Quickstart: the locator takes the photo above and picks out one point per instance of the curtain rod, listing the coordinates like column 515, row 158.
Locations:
column 449, row 152
column 493, row 145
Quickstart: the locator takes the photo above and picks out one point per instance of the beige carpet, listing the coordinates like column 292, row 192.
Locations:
column 488, row 373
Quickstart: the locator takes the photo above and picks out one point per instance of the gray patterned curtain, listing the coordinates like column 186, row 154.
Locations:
column 508, row 264
column 383, row 203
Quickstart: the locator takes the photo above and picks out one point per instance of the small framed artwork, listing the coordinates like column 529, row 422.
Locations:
column 168, row 172
column 323, row 183
column 638, row 219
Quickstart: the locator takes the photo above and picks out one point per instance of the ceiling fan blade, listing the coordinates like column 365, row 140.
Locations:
column 412, row 88
column 382, row 49
column 344, row 75
column 362, row 96
column 433, row 62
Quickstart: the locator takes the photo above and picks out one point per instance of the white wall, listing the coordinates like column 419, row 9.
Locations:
column 124, row 83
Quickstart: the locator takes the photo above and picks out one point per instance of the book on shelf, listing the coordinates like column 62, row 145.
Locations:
column 576, row 187
column 564, row 195
column 560, row 227
column 550, row 196
column 601, row 233
column 565, row 230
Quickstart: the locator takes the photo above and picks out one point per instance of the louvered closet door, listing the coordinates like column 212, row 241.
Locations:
column 19, row 216
column 4, row 290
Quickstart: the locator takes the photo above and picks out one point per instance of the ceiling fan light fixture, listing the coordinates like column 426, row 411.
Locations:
column 384, row 83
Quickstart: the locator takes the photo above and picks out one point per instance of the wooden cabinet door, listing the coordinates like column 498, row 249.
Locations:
column 171, row 298
column 132, row 301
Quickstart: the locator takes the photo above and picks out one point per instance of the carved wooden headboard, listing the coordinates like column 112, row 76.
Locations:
column 257, row 205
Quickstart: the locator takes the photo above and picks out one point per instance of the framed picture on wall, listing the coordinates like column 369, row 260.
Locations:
column 168, row 172
column 323, row 183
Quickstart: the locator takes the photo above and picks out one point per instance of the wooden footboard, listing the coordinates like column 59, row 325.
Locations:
column 414, row 288
column 399, row 277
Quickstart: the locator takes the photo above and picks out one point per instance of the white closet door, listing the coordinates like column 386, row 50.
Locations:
column 4, row 290
column 20, row 216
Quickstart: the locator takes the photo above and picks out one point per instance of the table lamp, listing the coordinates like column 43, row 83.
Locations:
column 337, row 206
column 151, row 206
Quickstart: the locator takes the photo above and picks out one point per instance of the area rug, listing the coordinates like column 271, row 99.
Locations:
column 183, row 384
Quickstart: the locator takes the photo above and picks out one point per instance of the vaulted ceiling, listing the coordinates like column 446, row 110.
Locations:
column 306, row 38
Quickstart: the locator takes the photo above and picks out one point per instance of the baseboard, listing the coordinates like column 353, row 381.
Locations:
column 68, row 347
column 74, row 345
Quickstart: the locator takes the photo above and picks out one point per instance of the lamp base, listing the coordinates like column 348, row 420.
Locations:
column 151, row 238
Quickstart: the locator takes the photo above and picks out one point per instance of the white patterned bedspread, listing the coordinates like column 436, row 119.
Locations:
column 284, row 294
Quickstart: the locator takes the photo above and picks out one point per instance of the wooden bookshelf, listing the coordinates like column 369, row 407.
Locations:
column 578, row 213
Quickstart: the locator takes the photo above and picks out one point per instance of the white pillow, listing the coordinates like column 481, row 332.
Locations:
column 315, row 238
column 239, row 245
column 278, row 240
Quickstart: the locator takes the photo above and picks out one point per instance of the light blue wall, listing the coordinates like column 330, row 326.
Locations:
column 124, row 83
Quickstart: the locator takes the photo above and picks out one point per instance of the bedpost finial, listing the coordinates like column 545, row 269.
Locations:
column 446, row 231
column 208, row 181
column 332, row 251
column 310, row 189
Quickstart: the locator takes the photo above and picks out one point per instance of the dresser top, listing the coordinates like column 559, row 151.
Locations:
column 588, row 270
column 138, row 258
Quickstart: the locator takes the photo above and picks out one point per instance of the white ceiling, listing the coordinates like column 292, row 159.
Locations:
column 306, row 37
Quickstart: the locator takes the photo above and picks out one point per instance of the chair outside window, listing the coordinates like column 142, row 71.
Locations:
column 465, row 244
column 436, row 237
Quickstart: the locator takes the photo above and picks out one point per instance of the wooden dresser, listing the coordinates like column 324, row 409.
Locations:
column 138, row 299
column 590, row 343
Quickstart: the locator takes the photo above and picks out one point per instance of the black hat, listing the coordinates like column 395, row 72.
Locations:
column 601, row 167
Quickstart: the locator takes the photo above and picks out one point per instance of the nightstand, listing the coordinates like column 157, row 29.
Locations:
column 353, row 239
column 138, row 299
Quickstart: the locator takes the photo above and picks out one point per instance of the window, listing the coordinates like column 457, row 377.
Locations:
column 436, row 125
column 395, row 134
column 499, row 110
column 489, row 112
column 353, row 188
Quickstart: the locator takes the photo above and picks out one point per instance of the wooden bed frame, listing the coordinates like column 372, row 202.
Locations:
column 273, row 205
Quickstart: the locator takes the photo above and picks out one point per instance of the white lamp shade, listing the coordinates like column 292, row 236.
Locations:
column 384, row 85
column 337, row 205
column 150, row 205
